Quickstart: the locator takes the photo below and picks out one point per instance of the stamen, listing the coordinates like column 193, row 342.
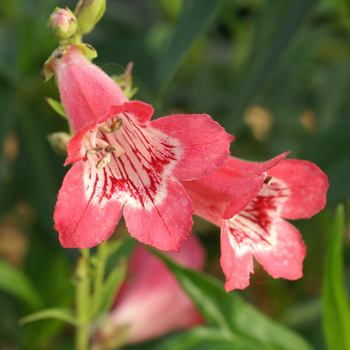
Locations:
column 110, row 148
column 115, row 125
column 105, row 128
column 118, row 150
column 101, row 143
column 92, row 138
column 103, row 161
column 268, row 180
column 94, row 151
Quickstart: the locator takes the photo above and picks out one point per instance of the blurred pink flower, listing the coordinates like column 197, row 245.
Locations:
column 151, row 303
column 249, row 201
column 125, row 163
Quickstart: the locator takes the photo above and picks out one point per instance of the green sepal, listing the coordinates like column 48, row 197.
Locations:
column 56, row 106
column 48, row 71
column 125, row 82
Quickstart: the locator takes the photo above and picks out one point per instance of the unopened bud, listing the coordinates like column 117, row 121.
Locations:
column 59, row 142
column 88, row 13
column 62, row 23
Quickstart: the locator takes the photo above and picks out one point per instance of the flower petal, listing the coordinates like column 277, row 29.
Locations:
column 248, row 180
column 252, row 230
column 285, row 258
column 203, row 142
column 76, row 151
column 140, row 110
column 229, row 190
column 236, row 262
column 164, row 223
column 307, row 186
column 82, row 216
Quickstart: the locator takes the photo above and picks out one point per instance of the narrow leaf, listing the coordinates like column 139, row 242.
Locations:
column 204, row 338
column 112, row 285
column 118, row 250
column 229, row 313
column 17, row 284
column 195, row 17
column 335, row 305
column 268, row 51
column 62, row 314
column 7, row 98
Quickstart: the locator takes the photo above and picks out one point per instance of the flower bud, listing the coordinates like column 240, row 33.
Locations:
column 88, row 13
column 59, row 142
column 62, row 23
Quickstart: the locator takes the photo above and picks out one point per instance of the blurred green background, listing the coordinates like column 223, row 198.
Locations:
column 276, row 74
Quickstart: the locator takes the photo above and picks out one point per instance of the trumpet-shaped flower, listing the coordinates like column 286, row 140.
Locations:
column 151, row 303
column 125, row 163
column 250, row 201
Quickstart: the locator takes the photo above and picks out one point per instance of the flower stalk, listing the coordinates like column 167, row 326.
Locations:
column 82, row 300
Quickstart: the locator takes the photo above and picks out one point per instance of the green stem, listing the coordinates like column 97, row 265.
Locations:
column 102, row 255
column 83, row 300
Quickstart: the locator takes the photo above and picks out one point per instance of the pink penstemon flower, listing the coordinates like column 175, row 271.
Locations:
column 250, row 201
column 125, row 163
column 151, row 302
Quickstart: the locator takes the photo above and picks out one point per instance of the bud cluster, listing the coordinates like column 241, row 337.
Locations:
column 68, row 27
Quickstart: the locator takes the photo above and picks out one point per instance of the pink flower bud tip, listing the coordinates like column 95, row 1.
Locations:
column 62, row 23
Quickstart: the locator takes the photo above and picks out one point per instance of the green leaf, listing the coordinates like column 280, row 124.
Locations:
column 56, row 106
column 112, row 285
column 332, row 157
column 172, row 8
column 17, row 284
column 279, row 24
column 334, row 97
column 229, row 313
column 62, row 314
column 118, row 250
column 335, row 305
column 205, row 338
column 195, row 17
